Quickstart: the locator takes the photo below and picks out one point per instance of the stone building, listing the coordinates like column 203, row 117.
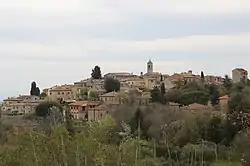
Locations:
column 239, row 74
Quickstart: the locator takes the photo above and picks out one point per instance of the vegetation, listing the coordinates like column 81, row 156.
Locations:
column 157, row 95
column 111, row 84
column 96, row 73
column 202, row 77
column 34, row 91
column 189, row 93
column 143, row 136
column 135, row 135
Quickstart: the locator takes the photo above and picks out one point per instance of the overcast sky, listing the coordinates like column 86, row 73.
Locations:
column 60, row 41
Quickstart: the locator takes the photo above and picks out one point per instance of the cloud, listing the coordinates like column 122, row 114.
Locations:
column 74, row 12
column 196, row 43
column 59, row 41
column 77, row 50
column 149, row 6
column 185, row 6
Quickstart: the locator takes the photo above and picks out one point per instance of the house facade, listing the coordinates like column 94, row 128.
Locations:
column 63, row 91
column 111, row 98
column 80, row 109
column 21, row 105
column 239, row 74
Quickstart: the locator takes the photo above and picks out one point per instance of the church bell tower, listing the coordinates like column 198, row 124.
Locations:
column 150, row 67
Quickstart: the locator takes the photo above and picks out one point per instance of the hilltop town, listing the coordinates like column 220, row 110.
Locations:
column 179, row 119
column 90, row 98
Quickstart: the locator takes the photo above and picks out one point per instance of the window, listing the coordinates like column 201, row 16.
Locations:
column 58, row 93
column 68, row 93
column 62, row 93
column 50, row 93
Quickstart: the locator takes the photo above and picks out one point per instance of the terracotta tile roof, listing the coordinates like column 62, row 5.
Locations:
column 12, row 99
column 102, row 107
column 176, row 77
column 83, row 103
column 62, row 88
column 24, row 104
column 133, row 79
column 119, row 74
column 33, row 101
column 78, row 103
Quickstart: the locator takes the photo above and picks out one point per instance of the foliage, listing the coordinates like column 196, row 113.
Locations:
column 45, row 108
column 191, row 97
column 93, row 94
column 34, row 91
column 202, row 77
column 214, row 94
column 227, row 84
column 111, row 84
column 82, row 94
column 96, row 73
column 43, row 95
column 192, row 92
column 89, row 147
column 163, row 89
column 173, row 95
column 157, row 95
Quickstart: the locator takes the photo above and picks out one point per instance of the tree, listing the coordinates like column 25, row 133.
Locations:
column 190, row 97
column 194, row 92
column 227, row 83
column 96, row 73
column 34, row 91
column 215, row 97
column 43, row 95
column 161, row 78
column 163, row 90
column 44, row 109
column 111, row 84
column 157, row 96
column 202, row 76
column 173, row 95
column 93, row 95
column 214, row 94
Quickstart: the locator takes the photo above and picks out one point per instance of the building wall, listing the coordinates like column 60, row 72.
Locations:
column 20, row 108
column 137, row 83
column 75, row 110
column 238, row 75
column 11, row 101
column 150, row 83
column 110, row 99
column 65, row 94
column 96, row 114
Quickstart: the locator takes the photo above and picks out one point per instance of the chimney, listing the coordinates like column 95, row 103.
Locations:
column 141, row 73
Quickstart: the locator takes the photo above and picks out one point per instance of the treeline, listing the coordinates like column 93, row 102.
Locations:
column 153, row 135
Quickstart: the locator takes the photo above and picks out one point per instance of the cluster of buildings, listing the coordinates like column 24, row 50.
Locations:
column 88, row 98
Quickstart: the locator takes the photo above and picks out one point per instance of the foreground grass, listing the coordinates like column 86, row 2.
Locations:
column 226, row 163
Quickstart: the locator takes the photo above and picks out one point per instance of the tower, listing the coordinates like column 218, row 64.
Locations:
column 150, row 67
